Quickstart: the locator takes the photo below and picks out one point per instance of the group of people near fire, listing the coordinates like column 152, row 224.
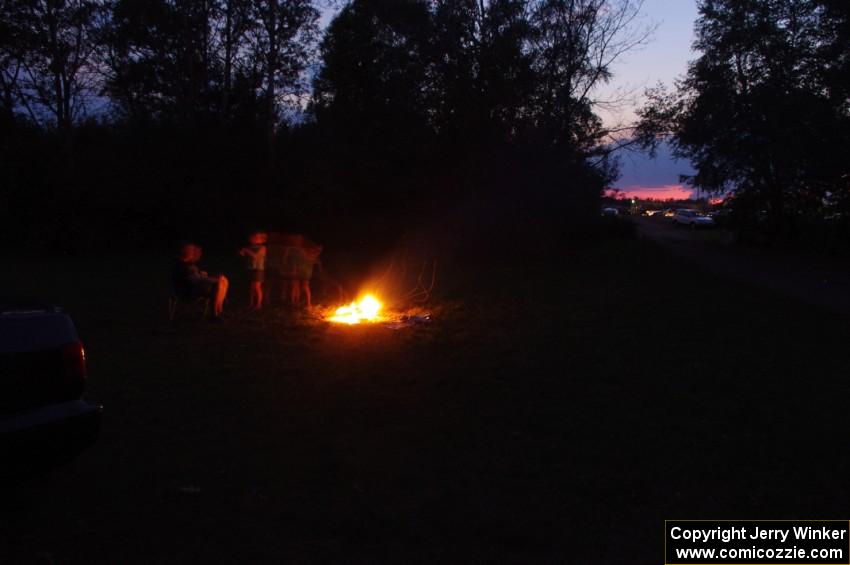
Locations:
column 294, row 261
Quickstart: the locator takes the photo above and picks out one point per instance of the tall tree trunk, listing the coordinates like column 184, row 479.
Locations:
column 8, row 86
column 271, row 70
column 271, row 106
column 228, row 59
column 56, row 67
column 67, row 93
column 205, row 51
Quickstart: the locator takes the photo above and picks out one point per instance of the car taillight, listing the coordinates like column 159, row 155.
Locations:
column 74, row 362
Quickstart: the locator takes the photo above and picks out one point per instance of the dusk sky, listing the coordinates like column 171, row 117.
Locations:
column 663, row 59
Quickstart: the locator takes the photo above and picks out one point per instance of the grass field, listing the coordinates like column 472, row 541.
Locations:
column 558, row 415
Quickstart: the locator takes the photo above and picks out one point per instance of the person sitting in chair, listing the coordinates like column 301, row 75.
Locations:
column 191, row 282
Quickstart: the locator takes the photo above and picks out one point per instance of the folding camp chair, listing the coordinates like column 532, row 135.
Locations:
column 175, row 301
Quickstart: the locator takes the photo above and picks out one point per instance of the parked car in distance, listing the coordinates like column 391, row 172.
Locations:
column 692, row 218
column 44, row 420
column 610, row 211
column 669, row 213
column 722, row 217
column 651, row 213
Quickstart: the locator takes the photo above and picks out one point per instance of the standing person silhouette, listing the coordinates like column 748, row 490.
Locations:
column 256, row 252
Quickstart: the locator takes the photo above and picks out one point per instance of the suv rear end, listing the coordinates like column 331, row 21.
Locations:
column 44, row 420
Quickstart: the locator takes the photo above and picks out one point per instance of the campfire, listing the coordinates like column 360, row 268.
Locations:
column 365, row 310
column 368, row 309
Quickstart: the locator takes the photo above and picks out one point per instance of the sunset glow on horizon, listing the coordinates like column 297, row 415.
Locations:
column 667, row 192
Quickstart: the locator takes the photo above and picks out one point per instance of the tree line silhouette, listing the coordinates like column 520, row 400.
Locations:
column 142, row 121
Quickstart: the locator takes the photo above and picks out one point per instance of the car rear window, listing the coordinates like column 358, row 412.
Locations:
column 21, row 332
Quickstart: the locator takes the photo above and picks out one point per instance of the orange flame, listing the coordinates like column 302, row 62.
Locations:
column 366, row 309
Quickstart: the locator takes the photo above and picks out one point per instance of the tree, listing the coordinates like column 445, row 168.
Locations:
column 371, row 98
column 481, row 70
column 11, row 63
column 47, row 60
column 192, row 60
column 234, row 23
column 756, row 113
column 577, row 42
column 285, row 36
column 157, row 55
column 834, row 65
column 489, row 89
column 374, row 80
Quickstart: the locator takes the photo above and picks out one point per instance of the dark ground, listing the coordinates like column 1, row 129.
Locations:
column 819, row 280
column 558, row 414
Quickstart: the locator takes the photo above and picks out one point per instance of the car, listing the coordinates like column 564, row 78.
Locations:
column 669, row 213
column 692, row 218
column 44, row 419
column 722, row 216
column 610, row 211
